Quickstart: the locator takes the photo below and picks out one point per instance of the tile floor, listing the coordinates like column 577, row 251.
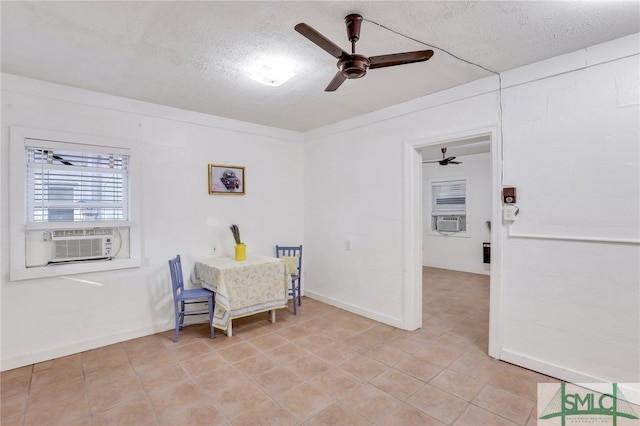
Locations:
column 324, row 366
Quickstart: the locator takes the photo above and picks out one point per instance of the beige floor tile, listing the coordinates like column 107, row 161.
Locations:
column 476, row 416
column 438, row 404
column 334, row 353
column 410, row 416
column 56, row 393
column 386, row 353
column 108, row 392
column 238, row 399
column 204, row 414
column 15, row 385
column 13, row 406
column 287, row 353
column 309, row 366
column 513, row 381
column 277, row 380
column 152, row 361
column 131, row 413
column 162, row 378
column 362, row 367
column 337, row 414
column 256, row 365
column 13, row 421
column 202, row 364
column 168, row 401
column 418, row 367
column 304, row 400
column 505, row 404
column 457, row 384
column 67, row 412
column 104, row 359
column 371, row 403
column 238, row 352
column 267, row 414
column 336, row 382
column 397, row 384
column 267, row 341
column 477, row 366
column 220, row 379
column 191, row 350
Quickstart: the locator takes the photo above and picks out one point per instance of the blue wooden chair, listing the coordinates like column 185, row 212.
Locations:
column 183, row 298
column 292, row 255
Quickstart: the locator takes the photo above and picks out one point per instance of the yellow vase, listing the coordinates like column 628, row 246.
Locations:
column 241, row 251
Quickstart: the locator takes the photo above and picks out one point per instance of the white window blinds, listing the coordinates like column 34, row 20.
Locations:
column 449, row 196
column 71, row 186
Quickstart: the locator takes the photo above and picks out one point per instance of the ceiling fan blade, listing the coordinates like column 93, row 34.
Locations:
column 399, row 58
column 455, row 162
column 338, row 79
column 320, row 40
column 449, row 158
column 436, row 161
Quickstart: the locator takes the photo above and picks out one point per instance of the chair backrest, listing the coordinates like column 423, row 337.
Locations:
column 177, row 283
column 290, row 251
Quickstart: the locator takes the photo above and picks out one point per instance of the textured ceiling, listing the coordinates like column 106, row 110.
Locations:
column 192, row 55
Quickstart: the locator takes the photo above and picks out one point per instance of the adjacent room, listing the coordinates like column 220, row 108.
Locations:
column 459, row 183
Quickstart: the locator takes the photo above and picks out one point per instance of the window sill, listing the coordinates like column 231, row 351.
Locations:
column 72, row 268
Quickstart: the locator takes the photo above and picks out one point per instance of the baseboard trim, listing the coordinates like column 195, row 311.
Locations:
column 74, row 348
column 385, row 319
column 631, row 391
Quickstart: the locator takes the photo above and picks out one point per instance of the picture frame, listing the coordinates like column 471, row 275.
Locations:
column 226, row 179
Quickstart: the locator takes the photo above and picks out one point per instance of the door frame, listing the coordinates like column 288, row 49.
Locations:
column 413, row 229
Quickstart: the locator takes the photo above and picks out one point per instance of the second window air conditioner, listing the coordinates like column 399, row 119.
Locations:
column 448, row 224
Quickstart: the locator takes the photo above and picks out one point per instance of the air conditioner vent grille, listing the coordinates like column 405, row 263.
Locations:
column 81, row 244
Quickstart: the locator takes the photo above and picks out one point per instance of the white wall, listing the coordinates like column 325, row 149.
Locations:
column 452, row 251
column 571, row 261
column 46, row 318
column 355, row 172
column 570, row 279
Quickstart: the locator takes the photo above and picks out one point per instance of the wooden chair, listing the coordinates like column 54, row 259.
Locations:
column 292, row 255
column 183, row 298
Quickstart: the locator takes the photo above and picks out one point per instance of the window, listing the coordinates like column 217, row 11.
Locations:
column 72, row 186
column 449, row 206
column 71, row 204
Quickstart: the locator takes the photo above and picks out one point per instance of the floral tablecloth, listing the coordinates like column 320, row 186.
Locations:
column 243, row 288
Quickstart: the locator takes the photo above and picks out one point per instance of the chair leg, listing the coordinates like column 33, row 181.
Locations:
column 211, row 304
column 178, row 325
column 293, row 291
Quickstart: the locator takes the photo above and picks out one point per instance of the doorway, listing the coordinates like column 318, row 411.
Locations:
column 415, row 151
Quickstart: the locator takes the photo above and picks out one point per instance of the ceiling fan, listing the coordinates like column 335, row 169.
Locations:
column 354, row 65
column 444, row 161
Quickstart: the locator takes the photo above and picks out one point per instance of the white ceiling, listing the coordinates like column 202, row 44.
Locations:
column 192, row 55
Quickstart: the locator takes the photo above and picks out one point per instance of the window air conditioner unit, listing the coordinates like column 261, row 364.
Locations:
column 448, row 223
column 81, row 244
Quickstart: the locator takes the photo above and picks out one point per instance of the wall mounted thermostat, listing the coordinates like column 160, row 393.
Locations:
column 509, row 195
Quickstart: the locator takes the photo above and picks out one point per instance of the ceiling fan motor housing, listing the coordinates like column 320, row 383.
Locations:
column 353, row 66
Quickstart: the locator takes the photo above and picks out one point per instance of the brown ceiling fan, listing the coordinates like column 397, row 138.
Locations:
column 444, row 161
column 354, row 65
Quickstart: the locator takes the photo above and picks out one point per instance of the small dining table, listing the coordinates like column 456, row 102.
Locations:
column 243, row 288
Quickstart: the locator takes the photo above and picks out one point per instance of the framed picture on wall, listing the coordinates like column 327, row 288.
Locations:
column 225, row 179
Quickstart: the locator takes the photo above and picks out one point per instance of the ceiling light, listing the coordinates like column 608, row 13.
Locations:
column 273, row 73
